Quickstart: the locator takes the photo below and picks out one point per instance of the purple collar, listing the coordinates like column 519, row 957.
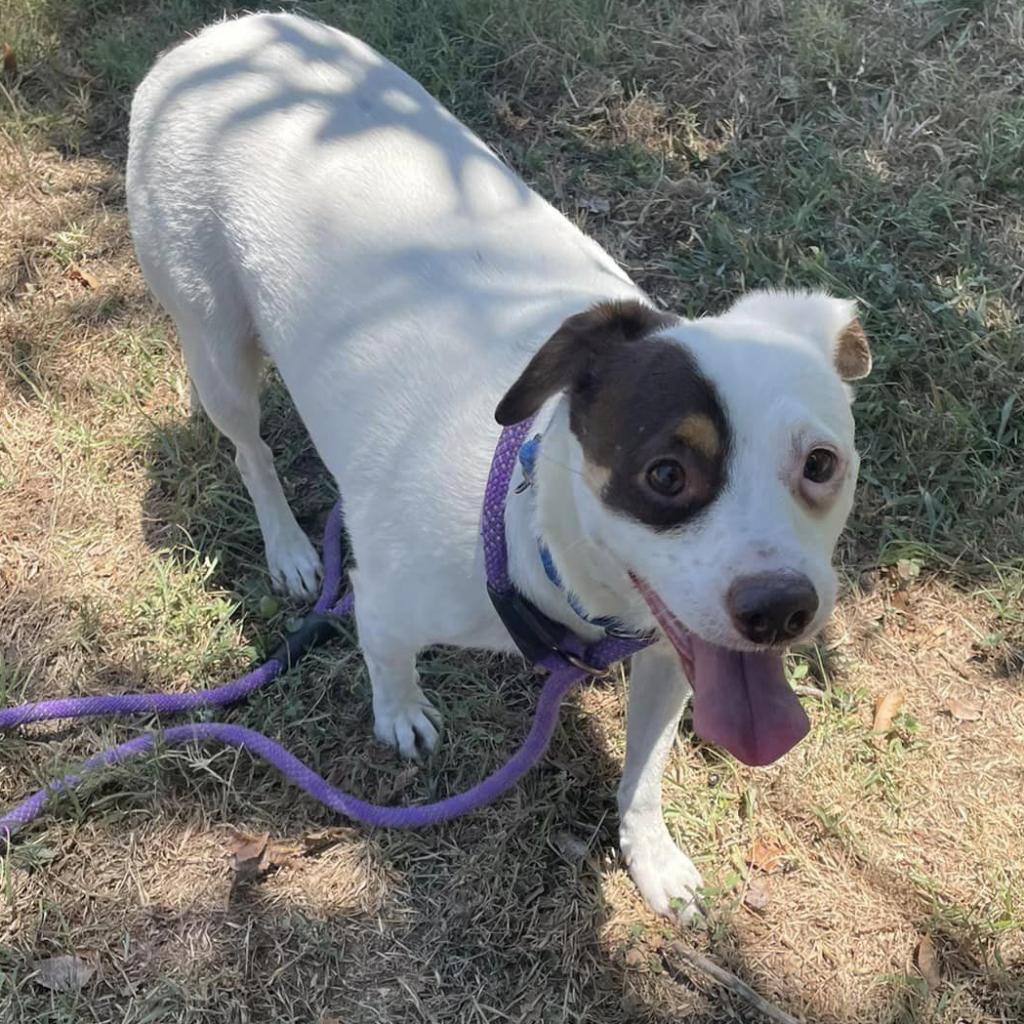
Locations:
column 540, row 639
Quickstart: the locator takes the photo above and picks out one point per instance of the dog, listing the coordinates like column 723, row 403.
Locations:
column 294, row 195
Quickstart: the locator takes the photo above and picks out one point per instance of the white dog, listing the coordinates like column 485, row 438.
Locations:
column 292, row 192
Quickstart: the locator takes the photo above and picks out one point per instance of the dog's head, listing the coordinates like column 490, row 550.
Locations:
column 717, row 466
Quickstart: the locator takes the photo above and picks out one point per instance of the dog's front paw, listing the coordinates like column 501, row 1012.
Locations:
column 665, row 876
column 294, row 564
column 412, row 724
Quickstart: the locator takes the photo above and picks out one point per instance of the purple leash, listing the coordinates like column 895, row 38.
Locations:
column 563, row 676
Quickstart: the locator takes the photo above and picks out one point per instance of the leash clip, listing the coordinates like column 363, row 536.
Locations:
column 316, row 628
column 625, row 633
column 577, row 662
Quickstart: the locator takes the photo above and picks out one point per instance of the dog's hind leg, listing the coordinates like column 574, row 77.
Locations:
column 224, row 365
column 402, row 715
column 664, row 874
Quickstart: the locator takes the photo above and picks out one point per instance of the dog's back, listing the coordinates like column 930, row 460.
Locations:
column 287, row 171
column 288, row 185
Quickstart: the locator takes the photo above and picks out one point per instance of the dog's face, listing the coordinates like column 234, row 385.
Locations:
column 717, row 459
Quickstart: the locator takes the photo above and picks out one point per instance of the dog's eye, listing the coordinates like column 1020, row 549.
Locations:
column 666, row 476
column 820, row 466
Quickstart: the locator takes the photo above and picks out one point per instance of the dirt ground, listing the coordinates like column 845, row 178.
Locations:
column 875, row 148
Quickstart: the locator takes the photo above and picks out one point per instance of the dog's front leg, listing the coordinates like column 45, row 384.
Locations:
column 402, row 715
column 665, row 876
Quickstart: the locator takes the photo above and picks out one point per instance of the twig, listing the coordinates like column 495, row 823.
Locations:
column 820, row 694
column 730, row 981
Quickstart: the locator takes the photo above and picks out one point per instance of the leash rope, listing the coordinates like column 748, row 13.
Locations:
column 564, row 667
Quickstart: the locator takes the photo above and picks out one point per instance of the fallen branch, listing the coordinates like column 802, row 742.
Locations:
column 726, row 979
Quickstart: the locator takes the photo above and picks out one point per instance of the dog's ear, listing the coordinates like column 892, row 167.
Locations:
column 852, row 353
column 572, row 355
column 831, row 323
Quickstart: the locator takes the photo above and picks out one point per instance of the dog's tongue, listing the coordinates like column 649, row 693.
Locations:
column 742, row 702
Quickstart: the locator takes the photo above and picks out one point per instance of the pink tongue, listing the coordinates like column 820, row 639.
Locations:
column 742, row 702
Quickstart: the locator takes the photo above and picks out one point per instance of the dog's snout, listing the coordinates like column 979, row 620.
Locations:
column 772, row 608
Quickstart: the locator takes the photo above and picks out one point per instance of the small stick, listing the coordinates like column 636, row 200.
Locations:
column 730, row 981
column 817, row 692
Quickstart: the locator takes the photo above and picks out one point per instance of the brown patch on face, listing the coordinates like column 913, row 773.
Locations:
column 636, row 401
column 581, row 341
column 627, row 411
column 596, row 477
column 697, row 431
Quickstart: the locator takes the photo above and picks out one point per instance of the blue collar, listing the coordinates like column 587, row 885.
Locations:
column 528, row 452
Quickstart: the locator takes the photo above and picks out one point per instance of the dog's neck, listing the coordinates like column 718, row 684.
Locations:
column 547, row 513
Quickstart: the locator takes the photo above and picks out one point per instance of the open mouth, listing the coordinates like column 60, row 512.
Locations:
column 741, row 700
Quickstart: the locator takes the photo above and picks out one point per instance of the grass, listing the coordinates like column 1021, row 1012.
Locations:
column 874, row 147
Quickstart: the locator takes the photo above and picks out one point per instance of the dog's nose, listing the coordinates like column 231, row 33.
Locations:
column 772, row 608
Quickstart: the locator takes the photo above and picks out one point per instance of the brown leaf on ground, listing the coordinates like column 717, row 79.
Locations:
column 927, row 961
column 83, row 277
column 635, row 958
column 323, row 839
column 507, row 116
column 963, row 710
column 10, row 61
column 253, row 856
column 63, row 973
column 766, row 855
column 249, row 854
column 885, row 710
column 280, row 852
column 756, row 897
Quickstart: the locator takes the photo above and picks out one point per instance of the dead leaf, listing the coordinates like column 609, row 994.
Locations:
column 766, row 855
column 569, row 846
column 756, row 897
column 249, row 854
column 63, row 973
column 254, row 856
column 927, row 960
column 885, row 710
column 10, row 61
column 507, row 116
column 323, row 839
column 83, row 277
column 594, row 204
column 697, row 39
column 962, row 710
column 280, row 852
column 635, row 958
